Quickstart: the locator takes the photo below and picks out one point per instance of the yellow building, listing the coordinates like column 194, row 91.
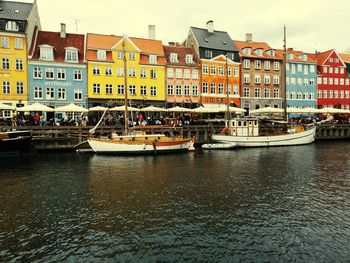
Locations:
column 145, row 71
column 17, row 24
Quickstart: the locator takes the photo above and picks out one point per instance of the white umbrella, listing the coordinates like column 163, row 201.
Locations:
column 71, row 108
column 179, row 109
column 267, row 110
column 6, row 107
column 202, row 109
column 98, row 108
column 333, row 110
column 36, row 107
column 122, row 108
column 153, row 109
column 231, row 109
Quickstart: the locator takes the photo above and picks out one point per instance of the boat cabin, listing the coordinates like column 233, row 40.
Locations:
column 242, row 127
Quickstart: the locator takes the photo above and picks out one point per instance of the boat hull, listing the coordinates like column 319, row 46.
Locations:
column 305, row 137
column 219, row 146
column 15, row 143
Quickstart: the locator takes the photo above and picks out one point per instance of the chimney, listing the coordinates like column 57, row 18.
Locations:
column 63, row 30
column 152, row 32
column 249, row 37
column 210, row 26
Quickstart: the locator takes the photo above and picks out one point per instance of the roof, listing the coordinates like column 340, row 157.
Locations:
column 254, row 46
column 181, row 55
column 107, row 42
column 297, row 56
column 322, row 57
column 218, row 40
column 54, row 39
column 345, row 57
column 15, row 10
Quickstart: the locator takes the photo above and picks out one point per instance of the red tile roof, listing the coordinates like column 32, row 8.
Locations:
column 297, row 55
column 345, row 57
column 322, row 57
column 181, row 55
column 59, row 44
column 255, row 45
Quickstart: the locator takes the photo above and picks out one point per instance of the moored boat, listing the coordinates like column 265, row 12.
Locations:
column 14, row 143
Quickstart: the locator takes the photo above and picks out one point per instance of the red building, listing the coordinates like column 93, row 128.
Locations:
column 333, row 82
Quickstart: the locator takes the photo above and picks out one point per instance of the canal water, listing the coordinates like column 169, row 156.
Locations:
column 285, row 204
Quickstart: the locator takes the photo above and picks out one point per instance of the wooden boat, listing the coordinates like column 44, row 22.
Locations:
column 219, row 146
column 14, row 143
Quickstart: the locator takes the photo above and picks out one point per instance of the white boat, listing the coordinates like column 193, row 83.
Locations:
column 246, row 133
column 219, row 146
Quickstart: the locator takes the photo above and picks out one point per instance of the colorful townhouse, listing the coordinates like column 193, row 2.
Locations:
column 145, row 63
column 182, row 76
column 301, row 79
column 220, row 65
column 333, row 81
column 261, row 74
column 17, row 23
column 56, row 69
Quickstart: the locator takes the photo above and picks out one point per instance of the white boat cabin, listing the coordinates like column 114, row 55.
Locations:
column 242, row 127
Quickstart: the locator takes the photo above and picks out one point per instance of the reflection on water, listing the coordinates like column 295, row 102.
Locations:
column 272, row 204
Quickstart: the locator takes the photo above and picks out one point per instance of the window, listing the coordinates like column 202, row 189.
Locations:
column 247, row 51
column 96, row 88
column 212, row 70
column 153, row 91
column 153, row 74
column 178, row 90
column 276, row 93
column 347, row 94
column 132, row 56
column 276, row 65
column 257, row 79
column 330, row 70
column 170, row 72
column 221, row 88
column 330, row 94
column 287, row 67
column 71, row 55
column 173, row 58
column 319, row 80
column 341, row 70
column 178, row 73
column 336, row 94
column 187, row 73
column 18, row 43
column 78, row 94
column 38, row 93
column 267, row 93
column 50, row 93
column 170, row 90
column 220, row 71
column 120, row 55
column 153, row 59
column 258, row 52
column 267, row 65
column 246, row 78
column 325, row 94
column 336, row 81
column 312, row 82
column 325, row 70
column 330, row 59
column 143, row 90
column 78, row 74
column 120, row 72
column 132, row 72
column 235, row 90
column 267, row 79
column 46, row 53
column 342, row 94
column 246, row 93
column 11, row 26
column 101, row 54
column 293, row 80
column 306, row 81
column 330, row 81
column 61, row 93
column 319, row 94
column 120, row 89
column 194, row 90
column 189, row 59
column 235, row 72
column 287, row 80
column 37, row 73
column 5, row 64
column 306, row 69
column 276, row 80
column 246, row 63
column 341, row 81
column 205, row 69
column 96, row 70
column 109, row 89
column 19, row 88
column 208, row 53
column 229, row 71
column 299, row 96
column 300, row 68
column 61, row 74
column 257, row 64
column 49, row 73
column 312, row 68
column 347, row 81
column 132, row 90
column 5, row 42
column 336, row 70
column 293, row 68
column 257, row 92
column 311, row 96
column 212, row 88
column 195, row 74
column 6, row 88
column 205, row 87
column 187, row 90
column 325, row 81
column 300, row 81
column 19, row 64
column 108, row 71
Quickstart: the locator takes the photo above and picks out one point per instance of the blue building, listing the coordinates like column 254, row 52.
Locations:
column 301, row 80
column 57, row 70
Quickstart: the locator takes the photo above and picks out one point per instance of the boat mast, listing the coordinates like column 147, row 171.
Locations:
column 284, row 71
column 227, row 95
column 126, row 118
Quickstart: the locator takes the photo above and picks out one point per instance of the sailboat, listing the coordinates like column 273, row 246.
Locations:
column 246, row 132
column 136, row 142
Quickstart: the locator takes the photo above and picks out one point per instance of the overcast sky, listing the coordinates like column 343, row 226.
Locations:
column 311, row 24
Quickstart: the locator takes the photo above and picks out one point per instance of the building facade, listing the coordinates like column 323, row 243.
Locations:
column 182, row 77
column 57, row 69
column 261, row 75
column 145, row 63
column 333, row 81
column 220, row 65
column 17, row 23
column 301, row 79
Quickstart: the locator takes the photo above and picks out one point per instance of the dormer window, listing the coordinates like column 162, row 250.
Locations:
column 258, row 52
column 101, row 54
column 247, row 51
column 153, row 59
column 71, row 55
column 271, row 53
column 189, row 59
column 46, row 53
column 304, row 57
column 290, row 56
column 173, row 58
column 11, row 26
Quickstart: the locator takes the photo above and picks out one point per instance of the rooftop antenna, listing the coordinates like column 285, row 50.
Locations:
column 76, row 22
